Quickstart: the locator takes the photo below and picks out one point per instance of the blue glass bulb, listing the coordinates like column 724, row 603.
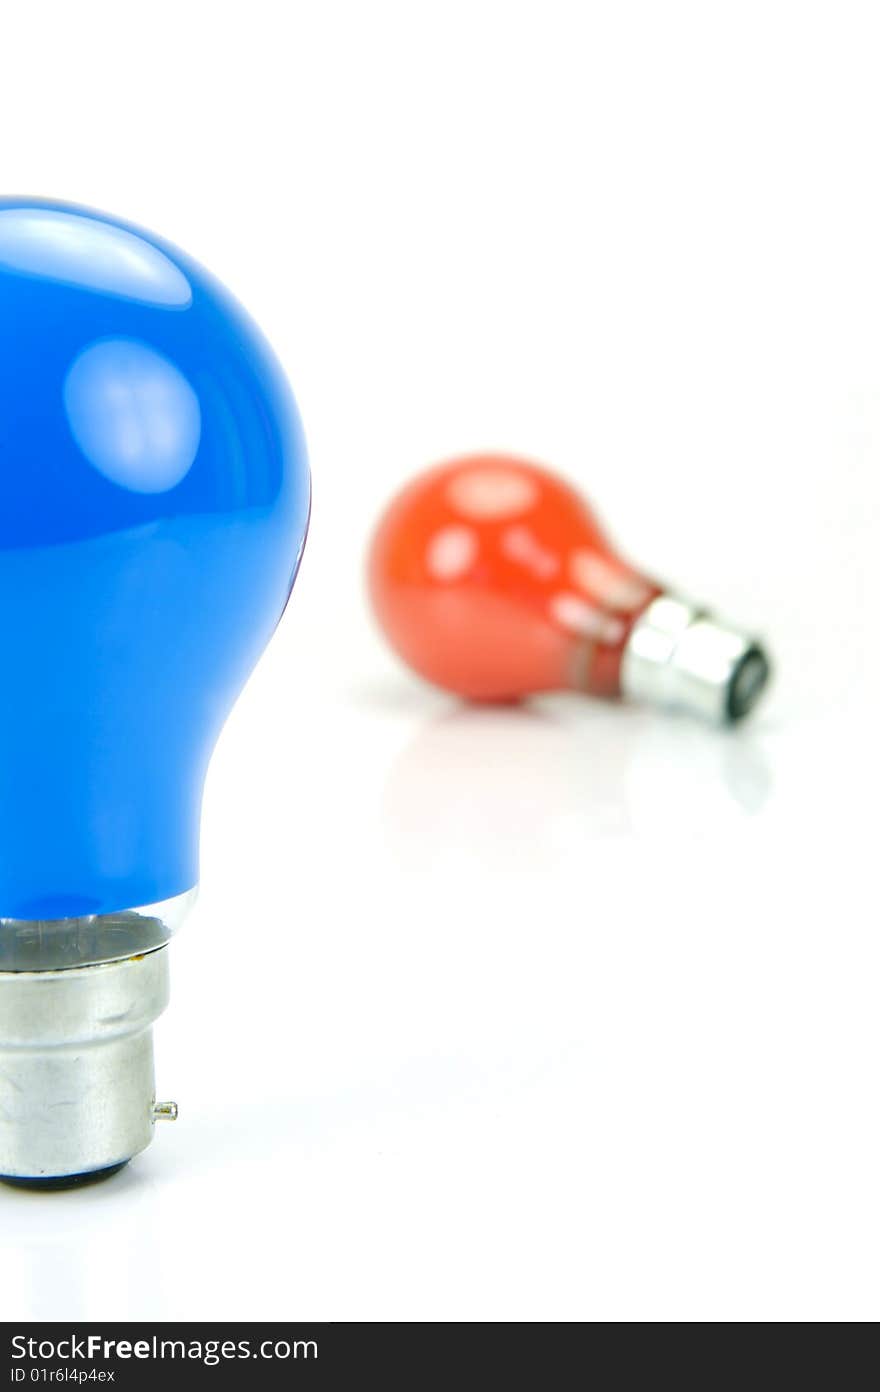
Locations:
column 154, row 499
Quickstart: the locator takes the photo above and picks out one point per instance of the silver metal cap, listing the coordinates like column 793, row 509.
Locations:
column 678, row 655
column 77, row 1091
column 78, row 999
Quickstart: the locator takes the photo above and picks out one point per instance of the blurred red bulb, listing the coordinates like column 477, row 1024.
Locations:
column 492, row 579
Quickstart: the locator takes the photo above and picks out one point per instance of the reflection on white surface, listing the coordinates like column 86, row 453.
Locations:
column 133, row 414
column 528, row 785
column 67, row 1255
column 86, row 252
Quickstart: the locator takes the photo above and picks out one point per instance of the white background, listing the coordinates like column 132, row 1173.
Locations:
column 562, row 1012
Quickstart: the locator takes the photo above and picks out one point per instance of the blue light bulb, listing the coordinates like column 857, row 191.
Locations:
column 154, row 499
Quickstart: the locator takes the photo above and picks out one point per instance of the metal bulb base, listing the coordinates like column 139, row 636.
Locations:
column 77, row 1086
column 679, row 656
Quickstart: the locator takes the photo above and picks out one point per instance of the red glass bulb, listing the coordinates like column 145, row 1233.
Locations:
column 491, row 577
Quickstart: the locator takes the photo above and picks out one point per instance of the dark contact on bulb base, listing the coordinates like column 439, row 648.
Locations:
column 747, row 683
column 58, row 1182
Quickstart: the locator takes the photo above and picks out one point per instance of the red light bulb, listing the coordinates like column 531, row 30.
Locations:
column 492, row 579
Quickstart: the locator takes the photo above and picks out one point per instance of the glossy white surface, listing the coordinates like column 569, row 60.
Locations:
column 563, row 1012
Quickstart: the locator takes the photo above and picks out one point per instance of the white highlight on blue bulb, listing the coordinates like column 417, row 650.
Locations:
column 133, row 414
column 96, row 255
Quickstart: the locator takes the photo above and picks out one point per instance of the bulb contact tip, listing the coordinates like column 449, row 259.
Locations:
column 748, row 682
